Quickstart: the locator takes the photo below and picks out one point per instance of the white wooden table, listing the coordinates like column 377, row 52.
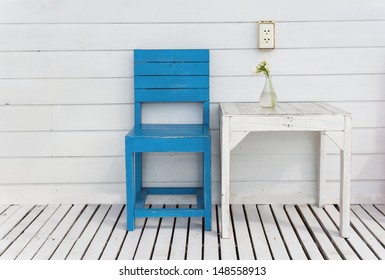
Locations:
column 239, row 119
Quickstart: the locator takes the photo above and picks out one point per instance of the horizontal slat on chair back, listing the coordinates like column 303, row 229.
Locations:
column 171, row 75
column 171, row 68
column 171, row 95
column 171, row 82
column 171, row 55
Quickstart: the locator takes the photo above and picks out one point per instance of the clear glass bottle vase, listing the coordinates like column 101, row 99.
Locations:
column 268, row 97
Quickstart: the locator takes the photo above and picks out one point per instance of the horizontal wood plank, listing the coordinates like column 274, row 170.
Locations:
column 109, row 143
column 117, row 116
column 107, row 64
column 99, row 169
column 280, row 192
column 188, row 11
column 171, row 56
column 199, row 35
column 222, row 89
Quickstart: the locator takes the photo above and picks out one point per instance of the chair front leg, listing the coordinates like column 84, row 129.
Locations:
column 130, row 187
column 207, row 184
column 138, row 172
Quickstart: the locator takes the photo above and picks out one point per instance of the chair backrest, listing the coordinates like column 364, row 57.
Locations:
column 171, row 76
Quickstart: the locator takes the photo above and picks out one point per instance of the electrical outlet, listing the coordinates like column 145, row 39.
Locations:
column 266, row 35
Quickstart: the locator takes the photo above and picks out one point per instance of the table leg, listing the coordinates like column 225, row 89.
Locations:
column 321, row 170
column 225, row 175
column 345, row 163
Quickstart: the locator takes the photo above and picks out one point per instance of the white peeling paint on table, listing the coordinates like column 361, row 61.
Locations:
column 237, row 120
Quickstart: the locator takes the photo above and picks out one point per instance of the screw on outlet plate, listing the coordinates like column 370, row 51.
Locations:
column 266, row 34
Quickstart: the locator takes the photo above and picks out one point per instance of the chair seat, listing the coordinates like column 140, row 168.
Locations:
column 168, row 138
column 169, row 131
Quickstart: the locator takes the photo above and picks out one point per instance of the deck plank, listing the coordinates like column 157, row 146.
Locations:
column 42, row 235
column 375, row 214
column 316, row 230
column 228, row 249
column 163, row 242
column 381, row 208
column 211, row 245
column 308, row 243
column 57, row 236
column 257, row 231
column 377, row 231
column 98, row 243
column 14, row 220
column 179, row 240
column 12, row 236
column 22, row 241
column 294, row 246
column 274, row 238
column 148, row 239
column 76, row 230
column 115, row 243
column 333, row 233
column 4, row 207
column 367, row 236
column 131, row 240
column 258, row 237
column 195, row 239
column 358, row 244
column 79, row 249
column 242, row 236
column 7, row 213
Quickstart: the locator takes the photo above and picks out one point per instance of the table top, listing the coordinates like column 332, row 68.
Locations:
column 282, row 108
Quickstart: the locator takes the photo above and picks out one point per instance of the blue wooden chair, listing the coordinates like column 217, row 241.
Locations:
column 168, row 76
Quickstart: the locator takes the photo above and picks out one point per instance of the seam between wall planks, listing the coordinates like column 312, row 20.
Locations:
column 187, row 22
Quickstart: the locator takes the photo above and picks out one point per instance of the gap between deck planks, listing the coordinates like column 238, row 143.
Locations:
column 263, row 232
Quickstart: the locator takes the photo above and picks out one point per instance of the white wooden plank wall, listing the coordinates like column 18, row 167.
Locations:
column 66, row 93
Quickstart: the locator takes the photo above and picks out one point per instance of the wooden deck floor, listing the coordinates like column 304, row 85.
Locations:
column 264, row 232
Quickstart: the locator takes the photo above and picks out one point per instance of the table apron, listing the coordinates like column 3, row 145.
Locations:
column 287, row 123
